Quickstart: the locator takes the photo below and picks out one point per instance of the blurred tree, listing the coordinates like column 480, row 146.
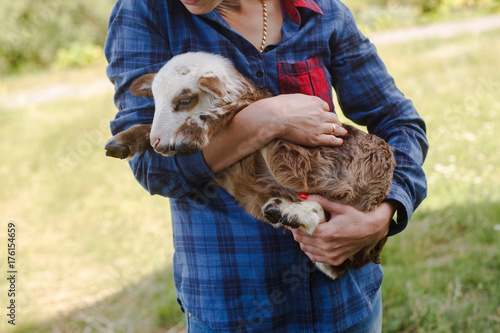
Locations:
column 33, row 31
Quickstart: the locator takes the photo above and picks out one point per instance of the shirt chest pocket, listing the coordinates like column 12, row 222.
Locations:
column 308, row 77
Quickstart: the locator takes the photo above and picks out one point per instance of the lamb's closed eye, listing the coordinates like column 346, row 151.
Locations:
column 185, row 101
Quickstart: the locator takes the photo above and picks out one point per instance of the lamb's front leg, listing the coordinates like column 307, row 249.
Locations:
column 133, row 140
column 305, row 215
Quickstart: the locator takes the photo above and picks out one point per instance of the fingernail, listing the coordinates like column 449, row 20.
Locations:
column 303, row 196
column 346, row 132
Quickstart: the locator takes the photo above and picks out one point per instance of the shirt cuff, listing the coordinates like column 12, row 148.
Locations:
column 404, row 210
column 193, row 167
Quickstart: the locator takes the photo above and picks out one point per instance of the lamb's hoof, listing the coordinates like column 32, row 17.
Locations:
column 114, row 149
column 272, row 214
column 290, row 222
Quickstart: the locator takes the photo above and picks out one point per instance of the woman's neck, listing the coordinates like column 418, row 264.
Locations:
column 234, row 5
column 247, row 18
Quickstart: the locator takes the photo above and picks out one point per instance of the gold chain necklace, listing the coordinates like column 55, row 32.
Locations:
column 264, row 33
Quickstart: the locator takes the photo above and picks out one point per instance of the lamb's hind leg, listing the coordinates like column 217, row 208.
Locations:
column 290, row 169
column 305, row 215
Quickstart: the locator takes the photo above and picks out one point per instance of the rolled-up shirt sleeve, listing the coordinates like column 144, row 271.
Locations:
column 368, row 96
column 134, row 47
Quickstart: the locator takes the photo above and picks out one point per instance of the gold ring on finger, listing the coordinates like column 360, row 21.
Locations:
column 333, row 128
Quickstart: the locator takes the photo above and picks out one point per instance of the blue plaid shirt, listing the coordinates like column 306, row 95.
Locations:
column 232, row 272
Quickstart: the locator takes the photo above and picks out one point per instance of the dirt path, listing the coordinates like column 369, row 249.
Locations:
column 55, row 92
column 438, row 30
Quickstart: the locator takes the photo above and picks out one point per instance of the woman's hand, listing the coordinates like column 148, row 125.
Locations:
column 347, row 232
column 306, row 120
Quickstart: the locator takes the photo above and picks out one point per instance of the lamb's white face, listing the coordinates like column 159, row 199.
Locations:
column 188, row 91
column 185, row 89
column 177, row 98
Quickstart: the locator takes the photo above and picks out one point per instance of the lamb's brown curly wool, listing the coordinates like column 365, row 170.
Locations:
column 357, row 173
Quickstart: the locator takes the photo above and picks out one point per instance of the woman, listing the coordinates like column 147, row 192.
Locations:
column 233, row 273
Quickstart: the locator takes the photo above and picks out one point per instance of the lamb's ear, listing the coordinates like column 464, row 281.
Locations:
column 212, row 84
column 142, row 86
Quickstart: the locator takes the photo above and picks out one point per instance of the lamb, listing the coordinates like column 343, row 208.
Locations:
column 196, row 94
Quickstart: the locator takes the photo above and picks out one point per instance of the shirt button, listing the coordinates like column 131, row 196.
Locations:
column 259, row 73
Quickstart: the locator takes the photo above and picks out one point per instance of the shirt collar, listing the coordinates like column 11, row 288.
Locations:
column 291, row 7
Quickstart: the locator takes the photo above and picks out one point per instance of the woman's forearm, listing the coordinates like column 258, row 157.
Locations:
column 250, row 130
column 302, row 119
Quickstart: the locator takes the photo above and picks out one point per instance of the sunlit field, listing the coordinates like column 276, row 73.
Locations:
column 442, row 273
column 94, row 249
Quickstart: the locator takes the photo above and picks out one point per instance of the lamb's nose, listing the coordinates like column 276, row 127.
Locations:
column 155, row 142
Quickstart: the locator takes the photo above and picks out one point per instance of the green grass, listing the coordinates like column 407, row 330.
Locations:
column 94, row 249
column 442, row 273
